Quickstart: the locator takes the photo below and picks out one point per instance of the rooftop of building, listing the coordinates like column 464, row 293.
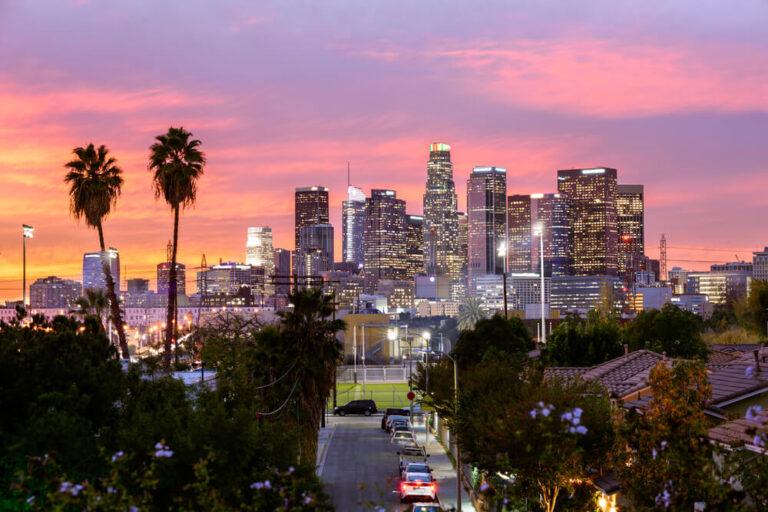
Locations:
column 739, row 432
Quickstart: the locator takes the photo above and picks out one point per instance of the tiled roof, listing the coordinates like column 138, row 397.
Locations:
column 742, row 347
column 731, row 381
column 721, row 357
column 621, row 376
column 734, row 432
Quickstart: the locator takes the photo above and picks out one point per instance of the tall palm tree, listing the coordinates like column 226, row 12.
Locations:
column 93, row 303
column 470, row 312
column 176, row 163
column 310, row 337
column 95, row 182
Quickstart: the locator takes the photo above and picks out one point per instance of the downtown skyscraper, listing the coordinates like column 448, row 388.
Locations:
column 487, row 218
column 630, row 213
column 590, row 197
column 440, row 215
column 525, row 214
column 311, row 207
column 414, row 245
column 385, row 238
column 353, row 226
column 93, row 269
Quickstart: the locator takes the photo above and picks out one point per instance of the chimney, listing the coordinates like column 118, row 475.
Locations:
column 757, row 359
column 626, row 350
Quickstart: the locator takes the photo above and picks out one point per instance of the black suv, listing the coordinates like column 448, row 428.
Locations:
column 366, row 407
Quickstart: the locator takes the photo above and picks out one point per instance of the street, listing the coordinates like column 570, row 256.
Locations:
column 358, row 466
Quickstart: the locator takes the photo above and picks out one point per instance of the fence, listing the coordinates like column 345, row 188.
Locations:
column 373, row 374
column 385, row 395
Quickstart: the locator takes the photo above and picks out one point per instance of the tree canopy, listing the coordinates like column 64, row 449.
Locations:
column 580, row 342
column 492, row 337
column 670, row 329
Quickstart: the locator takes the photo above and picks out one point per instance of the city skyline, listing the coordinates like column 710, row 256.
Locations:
column 634, row 122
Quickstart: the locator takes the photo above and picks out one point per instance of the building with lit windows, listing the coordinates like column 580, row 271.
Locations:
column 724, row 283
column 695, row 303
column 440, row 215
column 93, row 269
column 580, row 294
column 678, row 278
column 259, row 250
column 590, row 196
column 314, row 254
column 353, row 226
column 311, row 207
column 399, row 294
column 414, row 240
column 760, row 265
column 519, row 233
column 523, row 291
column 163, row 272
column 487, row 219
column 282, row 265
column 524, row 214
column 630, row 223
column 54, row 292
column 385, row 238
column 228, row 279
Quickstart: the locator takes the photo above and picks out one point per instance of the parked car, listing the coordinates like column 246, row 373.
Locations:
column 413, row 467
column 366, row 407
column 401, row 426
column 393, row 418
column 426, row 507
column 392, row 412
column 418, row 485
column 403, row 438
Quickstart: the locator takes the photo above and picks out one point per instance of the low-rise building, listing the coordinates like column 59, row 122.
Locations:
column 54, row 292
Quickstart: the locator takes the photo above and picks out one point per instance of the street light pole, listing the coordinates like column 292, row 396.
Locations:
column 455, row 431
column 26, row 232
column 539, row 230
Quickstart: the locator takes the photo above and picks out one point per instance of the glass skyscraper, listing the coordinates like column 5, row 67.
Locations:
column 487, row 219
column 630, row 213
column 440, row 218
column 519, row 233
column 590, row 196
column 311, row 207
column 93, row 269
column 353, row 226
column 385, row 238
column 414, row 241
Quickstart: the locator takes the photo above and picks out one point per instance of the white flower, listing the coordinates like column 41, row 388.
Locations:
column 65, row 486
column 118, row 455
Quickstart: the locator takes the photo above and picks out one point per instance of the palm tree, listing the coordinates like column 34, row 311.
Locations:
column 470, row 312
column 93, row 303
column 310, row 336
column 95, row 182
column 176, row 163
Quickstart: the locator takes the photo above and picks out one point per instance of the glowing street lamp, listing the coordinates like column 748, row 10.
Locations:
column 538, row 230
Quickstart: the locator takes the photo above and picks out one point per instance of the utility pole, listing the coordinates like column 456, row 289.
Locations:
column 663, row 258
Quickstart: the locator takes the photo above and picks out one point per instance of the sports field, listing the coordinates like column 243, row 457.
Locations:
column 385, row 395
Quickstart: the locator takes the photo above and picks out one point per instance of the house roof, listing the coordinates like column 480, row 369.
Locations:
column 736, row 432
column 731, row 381
column 621, row 376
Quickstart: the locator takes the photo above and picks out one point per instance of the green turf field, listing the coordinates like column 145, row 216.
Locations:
column 385, row 395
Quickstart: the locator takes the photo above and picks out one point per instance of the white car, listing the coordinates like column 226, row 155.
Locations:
column 418, row 485
column 403, row 438
column 393, row 419
column 414, row 467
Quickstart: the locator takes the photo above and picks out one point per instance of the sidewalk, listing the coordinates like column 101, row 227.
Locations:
column 324, row 437
column 445, row 473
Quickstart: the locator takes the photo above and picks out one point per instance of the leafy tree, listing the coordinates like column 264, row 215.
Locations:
column 95, row 183
column 492, row 337
column 177, row 164
column 470, row 312
column 93, row 304
column 549, row 434
column 671, row 464
column 579, row 342
column 670, row 330
column 756, row 310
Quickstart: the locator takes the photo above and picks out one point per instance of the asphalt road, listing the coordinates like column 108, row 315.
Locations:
column 360, row 466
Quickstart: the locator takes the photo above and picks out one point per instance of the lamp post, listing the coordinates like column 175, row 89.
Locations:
column 502, row 253
column 26, row 232
column 455, row 433
column 426, row 335
column 538, row 230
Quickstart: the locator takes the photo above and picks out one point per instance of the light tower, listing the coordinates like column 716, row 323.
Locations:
column 663, row 257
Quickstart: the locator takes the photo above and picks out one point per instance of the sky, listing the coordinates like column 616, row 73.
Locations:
column 283, row 94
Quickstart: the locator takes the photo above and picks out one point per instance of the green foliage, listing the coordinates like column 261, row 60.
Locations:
column 492, row 338
column 671, row 461
column 519, row 424
column 470, row 312
column 579, row 342
column 756, row 308
column 670, row 330
column 68, row 407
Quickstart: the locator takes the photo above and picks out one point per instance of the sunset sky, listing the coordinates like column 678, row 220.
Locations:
column 282, row 94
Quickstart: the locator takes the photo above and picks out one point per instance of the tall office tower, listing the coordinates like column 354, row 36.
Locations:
column 630, row 213
column 590, row 196
column 550, row 212
column 353, row 226
column 760, row 265
column 440, row 218
column 259, row 251
column 54, row 292
column 463, row 222
column 385, row 238
column 315, row 251
column 311, row 207
column 519, row 233
column 414, row 245
column 93, row 269
column 487, row 218
column 163, row 271
column 282, row 264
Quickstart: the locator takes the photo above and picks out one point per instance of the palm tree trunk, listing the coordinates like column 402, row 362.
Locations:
column 170, row 323
column 114, row 305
